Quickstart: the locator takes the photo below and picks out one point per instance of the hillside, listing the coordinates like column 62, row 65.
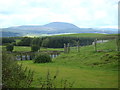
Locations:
column 52, row 28
column 107, row 57
column 61, row 25
column 9, row 34
column 87, row 35
column 84, row 67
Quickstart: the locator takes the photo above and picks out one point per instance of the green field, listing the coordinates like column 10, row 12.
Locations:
column 28, row 48
column 89, row 69
column 84, row 35
column 90, row 35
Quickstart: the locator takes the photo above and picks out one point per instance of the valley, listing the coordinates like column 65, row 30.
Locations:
column 84, row 68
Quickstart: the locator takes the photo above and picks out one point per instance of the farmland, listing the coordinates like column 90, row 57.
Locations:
column 85, row 68
column 82, row 67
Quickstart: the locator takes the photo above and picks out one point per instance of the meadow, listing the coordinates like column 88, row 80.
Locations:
column 88, row 35
column 86, row 69
column 28, row 48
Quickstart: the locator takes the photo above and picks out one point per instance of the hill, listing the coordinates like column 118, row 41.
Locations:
column 51, row 28
column 84, row 67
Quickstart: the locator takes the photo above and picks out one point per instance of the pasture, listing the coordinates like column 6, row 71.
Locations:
column 28, row 48
column 87, row 68
column 89, row 35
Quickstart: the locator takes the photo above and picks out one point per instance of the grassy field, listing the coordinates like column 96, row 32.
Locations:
column 22, row 48
column 89, row 69
column 84, row 35
column 28, row 48
column 90, row 35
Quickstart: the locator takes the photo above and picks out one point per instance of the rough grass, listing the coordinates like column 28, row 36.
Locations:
column 84, row 78
column 87, row 68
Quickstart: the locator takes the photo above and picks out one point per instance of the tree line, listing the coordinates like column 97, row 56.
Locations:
column 49, row 42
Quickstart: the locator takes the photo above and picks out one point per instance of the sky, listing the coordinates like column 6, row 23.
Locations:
column 82, row 13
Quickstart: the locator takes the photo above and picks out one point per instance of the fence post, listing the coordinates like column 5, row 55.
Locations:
column 65, row 48
column 78, row 47
column 26, row 57
column 95, row 43
column 68, row 48
column 102, row 40
column 118, row 43
column 21, row 56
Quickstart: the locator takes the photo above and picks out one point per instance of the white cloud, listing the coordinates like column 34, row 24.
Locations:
column 60, row 18
column 116, row 27
column 100, row 14
column 87, row 13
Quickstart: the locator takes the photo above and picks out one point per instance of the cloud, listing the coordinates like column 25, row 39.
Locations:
column 83, row 13
column 116, row 27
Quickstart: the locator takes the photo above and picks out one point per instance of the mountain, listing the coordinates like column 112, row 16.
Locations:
column 9, row 34
column 51, row 28
column 61, row 25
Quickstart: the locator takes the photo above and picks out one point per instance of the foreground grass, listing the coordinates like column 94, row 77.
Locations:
column 84, row 78
column 87, row 68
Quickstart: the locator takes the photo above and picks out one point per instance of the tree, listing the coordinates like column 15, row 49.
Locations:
column 36, row 41
column 7, row 40
column 9, row 47
column 45, row 42
column 26, row 41
column 35, row 48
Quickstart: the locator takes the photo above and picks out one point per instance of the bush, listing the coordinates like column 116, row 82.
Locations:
column 9, row 47
column 42, row 58
column 35, row 48
column 13, row 74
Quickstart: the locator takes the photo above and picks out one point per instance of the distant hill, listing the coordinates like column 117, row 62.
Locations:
column 51, row 28
column 61, row 25
column 9, row 34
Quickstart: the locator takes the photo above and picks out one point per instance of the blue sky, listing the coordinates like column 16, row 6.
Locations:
column 83, row 13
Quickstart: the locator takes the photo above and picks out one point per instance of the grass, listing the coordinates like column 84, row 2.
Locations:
column 87, row 68
column 89, row 35
column 51, row 49
column 17, row 40
column 28, row 48
column 84, row 78
column 84, row 35
column 87, row 56
column 21, row 48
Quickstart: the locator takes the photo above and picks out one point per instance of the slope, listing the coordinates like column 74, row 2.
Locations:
column 87, row 68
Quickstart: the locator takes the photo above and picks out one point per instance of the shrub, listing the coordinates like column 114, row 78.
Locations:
column 35, row 48
column 9, row 47
column 42, row 58
column 13, row 74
